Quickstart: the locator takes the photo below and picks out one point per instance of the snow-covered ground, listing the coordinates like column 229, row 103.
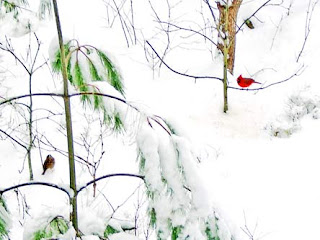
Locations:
column 259, row 161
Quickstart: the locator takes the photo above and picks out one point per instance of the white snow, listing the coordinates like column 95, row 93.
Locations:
column 256, row 166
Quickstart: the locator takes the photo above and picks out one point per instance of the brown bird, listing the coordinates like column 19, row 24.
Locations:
column 48, row 163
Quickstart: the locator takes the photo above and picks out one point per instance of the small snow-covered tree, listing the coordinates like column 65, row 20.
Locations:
column 178, row 204
column 30, row 65
column 227, row 40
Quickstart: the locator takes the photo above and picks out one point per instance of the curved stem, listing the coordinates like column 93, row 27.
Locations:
column 35, row 183
column 108, row 176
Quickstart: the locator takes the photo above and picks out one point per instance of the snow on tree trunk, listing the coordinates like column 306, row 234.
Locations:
column 227, row 29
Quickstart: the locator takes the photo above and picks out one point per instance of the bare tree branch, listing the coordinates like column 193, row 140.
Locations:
column 211, row 11
column 193, row 31
column 108, row 176
column 13, row 139
column 179, row 73
column 307, row 26
column 35, row 183
column 297, row 73
column 165, row 30
column 28, row 95
column 254, row 13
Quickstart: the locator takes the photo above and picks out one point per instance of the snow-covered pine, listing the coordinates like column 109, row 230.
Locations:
column 86, row 67
column 15, row 22
column 45, row 9
column 5, row 221
column 178, row 207
column 56, row 227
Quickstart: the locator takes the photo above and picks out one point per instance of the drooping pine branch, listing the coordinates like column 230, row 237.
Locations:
column 114, row 77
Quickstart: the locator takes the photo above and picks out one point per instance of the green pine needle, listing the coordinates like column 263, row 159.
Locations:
column 113, row 120
column 3, row 224
column 93, row 72
column 118, row 124
column 70, row 78
column 3, row 203
column 114, row 77
column 78, row 79
column 97, row 102
column 57, row 226
column 38, row 235
column 85, row 99
column 80, row 83
column 175, row 232
column 142, row 163
column 9, row 6
column 109, row 231
column 45, row 9
column 57, row 63
column 153, row 218
column 210, row 235
column 3, row 230
column 14, row 6
column 78, row 76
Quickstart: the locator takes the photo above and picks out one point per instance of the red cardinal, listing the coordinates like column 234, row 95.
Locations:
column 245, row 82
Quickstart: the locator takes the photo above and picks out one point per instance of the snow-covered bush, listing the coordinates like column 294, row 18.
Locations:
column 57, row 227
column 4, row 219
column 301, row 104
column 178, row 205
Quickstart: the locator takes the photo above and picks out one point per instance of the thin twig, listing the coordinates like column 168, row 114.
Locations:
column 15, row 140
column 254, row 13
column 191, row 30
column 307, row 27
column 297, row 73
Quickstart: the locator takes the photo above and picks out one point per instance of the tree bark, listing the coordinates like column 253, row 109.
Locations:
column 227, row 42
column 228, row 28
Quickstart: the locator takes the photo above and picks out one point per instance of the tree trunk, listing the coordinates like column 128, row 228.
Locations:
column 225, row 77
column 73, row 186
column 228, row 28
column 227, row 36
